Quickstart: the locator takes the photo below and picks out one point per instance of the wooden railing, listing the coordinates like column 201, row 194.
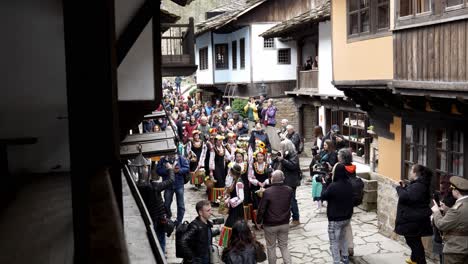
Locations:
column 308, row 79
column 177, row 44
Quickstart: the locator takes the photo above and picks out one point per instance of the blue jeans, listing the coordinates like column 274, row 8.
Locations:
column 338, row 243
column 168, row 195
column 294, row 207
column 161, row 235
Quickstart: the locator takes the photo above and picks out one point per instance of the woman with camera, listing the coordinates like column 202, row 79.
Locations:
column 413, row 211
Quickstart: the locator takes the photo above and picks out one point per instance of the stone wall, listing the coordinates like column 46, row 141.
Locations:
column 387, row 200
column 197, row 9
column 287, row 109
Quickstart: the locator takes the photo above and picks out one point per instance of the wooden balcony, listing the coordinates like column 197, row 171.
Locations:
column 178, row 54
column 308, row 80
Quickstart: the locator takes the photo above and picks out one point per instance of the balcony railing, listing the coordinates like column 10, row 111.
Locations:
column 308, row 79
column 178, row 54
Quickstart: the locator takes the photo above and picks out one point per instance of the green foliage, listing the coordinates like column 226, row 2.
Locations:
column 238, row 106
column 193, row 91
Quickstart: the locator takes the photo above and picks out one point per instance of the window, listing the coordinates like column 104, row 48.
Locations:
column 353, row 128
column 242, row 53
column 413, row 7
column 415, row 148
column 456, row 4
column 449, row 156
column 203, row 58
column 269, row 43
column 234, row 55
column 221, row 56
column 367, row 17
column 284, row 56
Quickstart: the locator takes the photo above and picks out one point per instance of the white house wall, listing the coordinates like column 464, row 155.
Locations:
column 238, row 75
column 135, row 74
column 204, row 76
column 325, row 60
column 265, row 60
column 33, row 101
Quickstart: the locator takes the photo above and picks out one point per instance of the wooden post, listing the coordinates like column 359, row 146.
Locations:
column 91, row 71
column 299, row 45
column 157, row 56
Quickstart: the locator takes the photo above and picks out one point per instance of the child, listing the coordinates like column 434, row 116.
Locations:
column 317, row 190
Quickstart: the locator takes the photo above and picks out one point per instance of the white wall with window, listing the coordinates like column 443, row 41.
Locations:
column 226, row 73
column 272, row 63
column 325, row 66
column 205, row 64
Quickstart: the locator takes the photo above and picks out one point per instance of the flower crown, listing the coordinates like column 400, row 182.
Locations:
column 261, row 151
column 260, row 144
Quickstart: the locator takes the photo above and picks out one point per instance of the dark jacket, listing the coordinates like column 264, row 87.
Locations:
column 413, row 211
column 195, row 242
column 291, row 169
column 339, row 196
column 179, row 177
column 273, row 211
column 295, row 138
column 246, row 256
column 151, row 194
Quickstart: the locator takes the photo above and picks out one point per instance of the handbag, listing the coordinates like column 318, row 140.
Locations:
column 260, row 254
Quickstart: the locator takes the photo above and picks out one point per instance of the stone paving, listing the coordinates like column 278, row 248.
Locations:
column 308, row 243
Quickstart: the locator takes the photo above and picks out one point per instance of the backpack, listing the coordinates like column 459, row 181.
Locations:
column 180, row 231
column 358, row 189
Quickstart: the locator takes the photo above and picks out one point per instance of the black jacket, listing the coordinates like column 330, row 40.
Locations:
column 151, row 194
column 340, row 198
column 246, row 256
column 295, row 139
column 262, row 136
column 291, row 169
column 413, row 211
column 195, row 242
column 273, row 211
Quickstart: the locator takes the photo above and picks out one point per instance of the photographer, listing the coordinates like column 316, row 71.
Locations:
column 181, row 170
column 197, row 240
column 151, row 194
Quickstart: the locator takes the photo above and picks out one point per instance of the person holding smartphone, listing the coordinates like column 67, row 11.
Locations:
column 413, row 212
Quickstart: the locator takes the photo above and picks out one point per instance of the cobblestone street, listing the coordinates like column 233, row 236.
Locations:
column 308, row 242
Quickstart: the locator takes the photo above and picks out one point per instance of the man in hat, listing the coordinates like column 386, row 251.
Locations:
column 334, row 135
column 454, row 224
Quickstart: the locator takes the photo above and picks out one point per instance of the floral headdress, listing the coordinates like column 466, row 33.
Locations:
column 261, row 151
column 260, row 144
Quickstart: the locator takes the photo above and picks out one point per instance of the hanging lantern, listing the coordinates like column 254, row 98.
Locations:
column 141, row 167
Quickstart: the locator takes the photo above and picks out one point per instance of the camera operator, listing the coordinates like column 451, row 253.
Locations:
column 151, row 194
column 197, row 240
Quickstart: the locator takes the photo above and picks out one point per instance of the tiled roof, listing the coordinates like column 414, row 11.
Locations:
column 233, row 11
column 319, row 13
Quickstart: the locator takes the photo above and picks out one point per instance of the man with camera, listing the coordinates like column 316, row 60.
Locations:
column 181, row 170
column 197, row 240
column 151, row 194
column 454, row 223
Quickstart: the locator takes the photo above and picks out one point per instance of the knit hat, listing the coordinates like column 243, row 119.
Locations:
column 339, row 172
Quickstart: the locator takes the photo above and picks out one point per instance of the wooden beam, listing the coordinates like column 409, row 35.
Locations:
column 157, row 55
column 91, row 85
column 133, row 30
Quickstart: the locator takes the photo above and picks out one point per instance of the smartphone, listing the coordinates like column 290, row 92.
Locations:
column 436, row 197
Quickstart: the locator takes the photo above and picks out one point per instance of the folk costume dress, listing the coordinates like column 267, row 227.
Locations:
column 248, row 207
column 259, row 173
column 236, row 211
column 199, row 148
column 217, row 165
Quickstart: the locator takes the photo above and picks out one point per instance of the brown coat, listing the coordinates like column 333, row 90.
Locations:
column 275, row 206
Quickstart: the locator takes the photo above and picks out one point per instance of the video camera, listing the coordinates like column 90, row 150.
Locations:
column 216, row 221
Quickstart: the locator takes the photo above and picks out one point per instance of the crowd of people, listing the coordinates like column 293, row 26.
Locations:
column 255, row 186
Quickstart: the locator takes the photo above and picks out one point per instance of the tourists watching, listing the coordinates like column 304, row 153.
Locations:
column 274, row 214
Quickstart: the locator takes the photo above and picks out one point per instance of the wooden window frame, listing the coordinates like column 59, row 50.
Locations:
column 242, row 53
column 432, row 150
column 288, row 62
column 456, row 7
column 225, row 60
column 416, row 147
column 374, row 31
column 267, row 42
column 234, row 54
column 414, row 14
column 203, row 60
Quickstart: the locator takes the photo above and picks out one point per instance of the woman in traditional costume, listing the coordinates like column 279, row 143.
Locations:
column 259, row 174
column 196, row 151
column 240, row 157
column 217, row 169
column 234, row 198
